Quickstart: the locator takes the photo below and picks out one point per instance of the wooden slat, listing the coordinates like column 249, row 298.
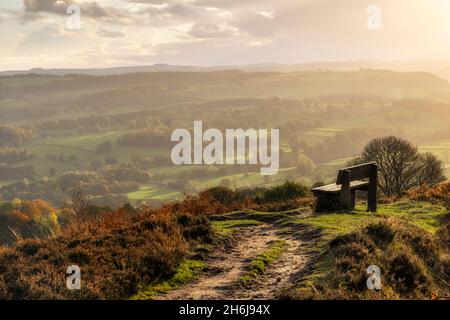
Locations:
column 358, row 172
column 336, row 188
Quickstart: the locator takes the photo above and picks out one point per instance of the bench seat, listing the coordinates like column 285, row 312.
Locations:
column 342, row 194
column 336, row 188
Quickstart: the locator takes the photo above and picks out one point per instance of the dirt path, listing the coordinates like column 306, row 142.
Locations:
column 223, row 269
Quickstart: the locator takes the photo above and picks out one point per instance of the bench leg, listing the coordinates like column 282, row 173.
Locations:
column 372, row 194
column 345, row 191
column 352, row 199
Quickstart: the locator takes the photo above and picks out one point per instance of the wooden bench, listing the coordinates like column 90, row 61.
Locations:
column 349, row 180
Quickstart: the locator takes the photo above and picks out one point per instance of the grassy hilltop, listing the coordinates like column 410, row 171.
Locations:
column 270, row 246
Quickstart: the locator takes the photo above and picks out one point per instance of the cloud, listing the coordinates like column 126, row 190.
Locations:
column 175, row 13
column 266, row 14
column 32, row 9
column 222, row 31
column 230, row 4
column 50, row 39
column 110, row 34
column 210, row 30
column 52, row 6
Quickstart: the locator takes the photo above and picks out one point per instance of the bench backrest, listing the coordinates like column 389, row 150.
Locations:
column 358, row 172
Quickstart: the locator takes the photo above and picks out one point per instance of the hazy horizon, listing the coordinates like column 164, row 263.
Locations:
column 363, row 64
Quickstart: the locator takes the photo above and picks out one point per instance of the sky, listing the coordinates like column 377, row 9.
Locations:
column 41, row 34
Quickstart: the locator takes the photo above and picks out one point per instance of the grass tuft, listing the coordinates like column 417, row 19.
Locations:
column 186, row 272
column 258, row 266
column 228, row 227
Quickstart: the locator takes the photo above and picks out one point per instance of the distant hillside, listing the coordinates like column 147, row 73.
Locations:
column 35, row 96
column 440, row 68
column 107, row 71
column 228, row 83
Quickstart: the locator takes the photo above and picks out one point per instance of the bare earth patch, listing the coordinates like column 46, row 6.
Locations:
column 224, row 267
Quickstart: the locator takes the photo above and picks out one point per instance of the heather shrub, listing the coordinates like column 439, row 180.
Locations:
column 223, row 195
column 117, row 254
column 439, row 193
column 444, row 235
column 381, row 232
column 27, row 219
column 287, row 191
column 285, row 205
column 408, row 276
column 414, row 264
column 287, row 196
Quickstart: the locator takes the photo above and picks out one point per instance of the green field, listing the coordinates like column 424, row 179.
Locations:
column 155, row 193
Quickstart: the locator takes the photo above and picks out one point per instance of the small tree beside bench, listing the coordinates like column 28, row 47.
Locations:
column 342, row 194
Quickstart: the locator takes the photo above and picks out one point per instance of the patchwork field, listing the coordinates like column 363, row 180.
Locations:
column 325, row 119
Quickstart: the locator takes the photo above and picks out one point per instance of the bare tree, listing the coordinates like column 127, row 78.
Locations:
column 79, row 202
column 431, row 171
column 401, row 166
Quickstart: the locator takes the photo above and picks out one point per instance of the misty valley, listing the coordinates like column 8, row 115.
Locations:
column 112, row 134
